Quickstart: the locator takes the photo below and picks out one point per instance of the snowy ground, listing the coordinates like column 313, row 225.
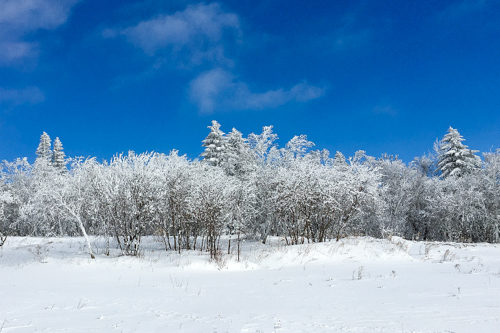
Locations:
column 355, row 285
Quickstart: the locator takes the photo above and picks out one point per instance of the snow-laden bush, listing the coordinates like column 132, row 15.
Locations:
column 250, row 188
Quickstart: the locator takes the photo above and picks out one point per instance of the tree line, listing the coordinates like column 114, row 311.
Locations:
column 252, row 188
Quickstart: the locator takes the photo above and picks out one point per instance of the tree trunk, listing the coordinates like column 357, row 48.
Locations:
column 87, row 240
column 238, row 246
column 82, row 228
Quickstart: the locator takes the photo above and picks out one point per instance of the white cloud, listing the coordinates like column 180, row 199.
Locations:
column 198, row 30
column 200, row 35
column 14, row 97
column 29, row 15
column 11, row 51
column 197, row 23
column 219, row 89
column 20, row 17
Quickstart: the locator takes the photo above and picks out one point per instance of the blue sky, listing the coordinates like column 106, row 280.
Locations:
column 383, row 76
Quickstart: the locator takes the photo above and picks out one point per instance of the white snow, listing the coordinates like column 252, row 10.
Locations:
column 354, row 285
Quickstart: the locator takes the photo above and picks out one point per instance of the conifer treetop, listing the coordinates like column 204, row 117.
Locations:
column 214, row 145
column 44, row 147
column 455, row 158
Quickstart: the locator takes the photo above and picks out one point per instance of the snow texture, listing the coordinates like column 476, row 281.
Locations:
column 353, row 285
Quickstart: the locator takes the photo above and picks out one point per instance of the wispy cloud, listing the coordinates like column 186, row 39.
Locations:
column 219, row 89
column 200, row 35
column 15, row 97
column 197, row 30
column 21, row 17
column 29, row 15
column 11, row 51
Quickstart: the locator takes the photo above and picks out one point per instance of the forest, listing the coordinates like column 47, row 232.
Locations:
column 250, row 188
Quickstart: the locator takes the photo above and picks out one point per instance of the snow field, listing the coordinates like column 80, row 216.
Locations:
column 354, row 285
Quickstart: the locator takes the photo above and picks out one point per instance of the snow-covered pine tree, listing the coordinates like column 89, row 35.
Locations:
column 238, row 158
column 455, row 158
column 58, row 156
column 43, row 151
column 214, row 144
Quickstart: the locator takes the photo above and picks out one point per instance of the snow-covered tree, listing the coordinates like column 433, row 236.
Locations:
column 210, row 204
column 490, row 188
column 339, row 159
column 425, row 164
column 241, row 203
column 258, row 189
column 174, row 211
column 238, row 158
column 44, row 148
column 299, row 145
column 68, row 195
column 455, row 158
column 58, row 156
column 5, row 199
column 129, row 185
column 214, row 144
column 262, row 144
column 397, row 194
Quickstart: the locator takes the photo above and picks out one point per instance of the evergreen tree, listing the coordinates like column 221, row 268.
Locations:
column 238, row 158
column 455, row 158
column 58, row 156
column 214, row 145
column 43, row 151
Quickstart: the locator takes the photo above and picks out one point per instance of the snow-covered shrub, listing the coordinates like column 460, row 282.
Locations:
column 249, row 187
